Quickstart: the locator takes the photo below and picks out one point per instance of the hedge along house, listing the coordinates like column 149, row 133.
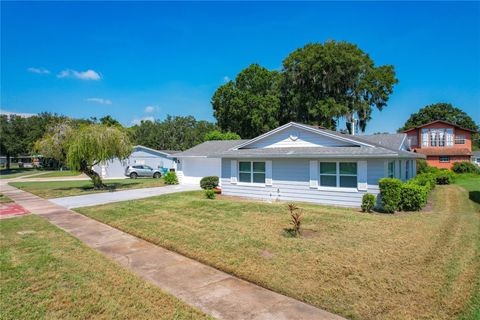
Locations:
column 297, row 162
column 140, row 155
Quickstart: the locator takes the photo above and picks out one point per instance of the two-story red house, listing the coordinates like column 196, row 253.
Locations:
column 442, row 142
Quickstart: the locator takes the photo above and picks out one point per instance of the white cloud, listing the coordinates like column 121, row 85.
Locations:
column 100, row 100
column 82, row 75
column 38, row 70
column 226, row 78
column 138, row 121
column 150, row 109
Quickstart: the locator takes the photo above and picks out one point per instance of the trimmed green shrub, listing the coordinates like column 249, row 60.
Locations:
column 368, row 202
column 210, row 194
column 413, row 196
column 428, row 180
column 445, row 177
column 422, row 166
column 465, row 167
column 390, row 189
column 209, row 182
column 170, row 178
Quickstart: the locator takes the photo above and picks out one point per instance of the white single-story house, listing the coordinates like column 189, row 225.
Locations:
column 297, row 162
column 140, row 155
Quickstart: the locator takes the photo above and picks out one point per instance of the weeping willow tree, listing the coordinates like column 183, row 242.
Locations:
column 83, row 147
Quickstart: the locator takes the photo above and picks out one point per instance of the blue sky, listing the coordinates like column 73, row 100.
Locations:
column 136, row 60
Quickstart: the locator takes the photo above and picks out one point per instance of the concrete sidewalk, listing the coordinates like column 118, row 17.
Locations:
column 117, row 196
column 214, row 292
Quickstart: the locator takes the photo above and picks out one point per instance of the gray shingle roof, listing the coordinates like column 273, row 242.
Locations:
column 209, row 148
column 387, row 140
column 320, row 152
column 382, row 145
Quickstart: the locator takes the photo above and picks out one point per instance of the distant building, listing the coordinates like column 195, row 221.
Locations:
column 442, row 142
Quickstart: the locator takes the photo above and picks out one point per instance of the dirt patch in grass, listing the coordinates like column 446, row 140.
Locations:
column 47, row 274
column 420, row 265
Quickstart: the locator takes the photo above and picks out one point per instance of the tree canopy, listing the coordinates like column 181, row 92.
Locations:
column 440, row 111
column 218, row 135
column 84, row 146
column 249, row 106
column 318, row 85
column 173, row 133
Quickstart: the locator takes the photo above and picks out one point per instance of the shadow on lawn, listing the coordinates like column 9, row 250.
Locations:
column 474, row 196
column 5, row 172
column 109, row 187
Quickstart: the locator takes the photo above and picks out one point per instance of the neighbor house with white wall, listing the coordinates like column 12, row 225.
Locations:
column 297, row 162
column 140, row 155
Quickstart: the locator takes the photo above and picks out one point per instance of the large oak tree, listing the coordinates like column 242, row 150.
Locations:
column 318, row 85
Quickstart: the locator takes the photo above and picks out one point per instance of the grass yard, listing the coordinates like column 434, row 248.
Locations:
column 16, row 172
column 47, row 274
column 54, row 174
column 5, row 199
column 56, row 189
column 422, row 265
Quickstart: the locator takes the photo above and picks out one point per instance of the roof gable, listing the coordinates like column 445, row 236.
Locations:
column 292, row 135
column 440, row 121
column 151, row 151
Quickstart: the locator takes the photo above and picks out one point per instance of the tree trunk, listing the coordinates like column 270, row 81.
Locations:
column 8, row 161
column 97, row 181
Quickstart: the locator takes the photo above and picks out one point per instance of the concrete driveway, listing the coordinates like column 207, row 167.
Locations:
column 117, row 196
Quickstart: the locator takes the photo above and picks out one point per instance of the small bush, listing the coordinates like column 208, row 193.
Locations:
column 209, row 182
column 390, row 189
column 170, row 178
column 210, row 194
column 413, row 196
column 368, row 202
column 422, row 166
column 428, row 180
column 465, row 167
column 297, row 216
column 445, row 177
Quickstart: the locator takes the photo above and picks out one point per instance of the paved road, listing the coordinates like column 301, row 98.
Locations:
column 94, row 199
column 212, row 291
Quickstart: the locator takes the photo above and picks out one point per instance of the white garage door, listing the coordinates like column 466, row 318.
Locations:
column 194, row 169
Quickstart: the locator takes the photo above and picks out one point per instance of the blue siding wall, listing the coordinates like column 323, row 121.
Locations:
column 291, row 183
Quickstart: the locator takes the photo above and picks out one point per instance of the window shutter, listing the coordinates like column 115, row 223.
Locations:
column 362, row 175
column 398, row 170
column 233, row 171
column 314, row 174
column 268, row 173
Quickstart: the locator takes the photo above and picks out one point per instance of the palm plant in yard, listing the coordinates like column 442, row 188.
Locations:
column 296, row 216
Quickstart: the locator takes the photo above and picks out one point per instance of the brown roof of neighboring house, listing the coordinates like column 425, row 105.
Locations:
column 442, row 121
column 444, row 151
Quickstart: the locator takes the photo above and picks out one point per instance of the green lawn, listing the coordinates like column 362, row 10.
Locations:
column 54, row 174
column 421, row 265
column 47, row 274
column 16, row 172
column 4, row 199
column 56, row 189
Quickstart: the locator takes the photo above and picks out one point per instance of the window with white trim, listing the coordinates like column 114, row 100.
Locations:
column 449, row 132
column 424, row 137
column 460, row 139
column 444, row 159
column 433, row 137
column 251, row 172
column 338, row 174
